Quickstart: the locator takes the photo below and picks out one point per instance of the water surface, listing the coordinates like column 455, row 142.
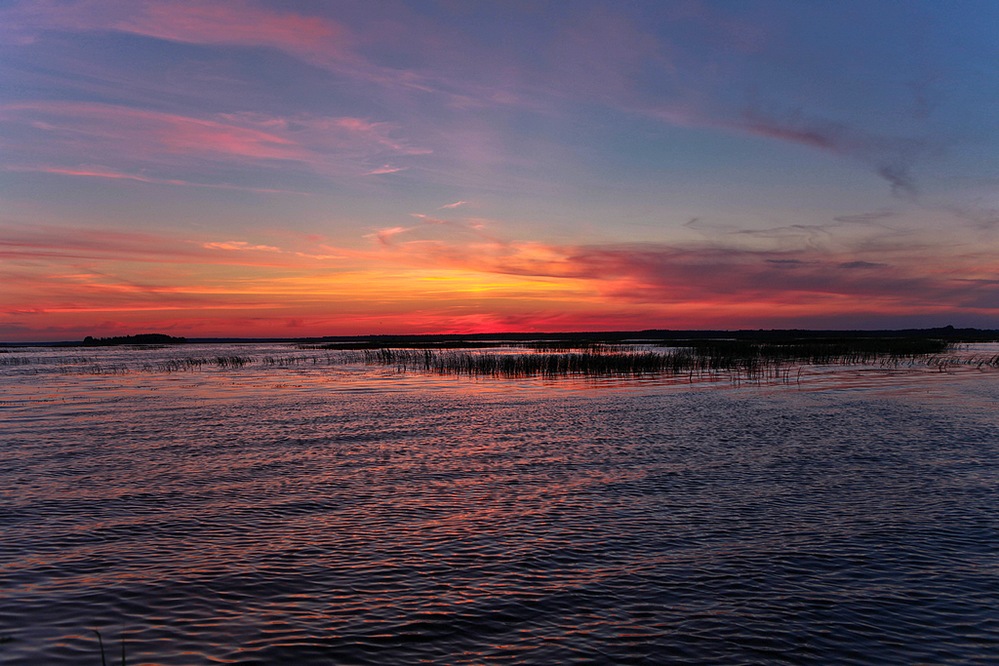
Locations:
column 300, row 510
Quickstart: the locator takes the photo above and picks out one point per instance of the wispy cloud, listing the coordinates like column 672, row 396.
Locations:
column 239, row 246
column 385, row 169
column 892, row 158
column 866, row 218
column 148, row 146
column 86, row 171
column 385, row 236
column 456, row 204
column 91, row 247
column 862, row 265
column 430, row 228
column 317, row 40
column 236, row 22
column 53, row 242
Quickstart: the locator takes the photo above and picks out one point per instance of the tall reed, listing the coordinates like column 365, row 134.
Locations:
column 745, row 358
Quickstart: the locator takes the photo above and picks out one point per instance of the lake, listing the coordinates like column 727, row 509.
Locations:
column 294, row 506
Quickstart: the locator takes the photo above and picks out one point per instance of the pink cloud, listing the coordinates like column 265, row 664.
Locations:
column 233, row 22
column 236, row 23
column 186, row 135
column 329, row 133
column 87, row 248
column 109, row 174
column 83, row 125
column 146, row 146
column 313, row 39
column 385, row 169
column 40, row 241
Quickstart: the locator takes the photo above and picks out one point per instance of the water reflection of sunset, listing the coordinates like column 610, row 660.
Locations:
column 302, row 505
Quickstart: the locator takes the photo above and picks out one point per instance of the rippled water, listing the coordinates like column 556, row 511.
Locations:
column 300, row 511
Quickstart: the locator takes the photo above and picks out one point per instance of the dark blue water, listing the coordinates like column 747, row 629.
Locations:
column 310, row 514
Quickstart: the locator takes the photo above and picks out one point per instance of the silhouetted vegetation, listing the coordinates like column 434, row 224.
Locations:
column 819, row 351
column 141, row 339
column 415, row 343
column 750, row 359
column 100, row 642
column 228, row 361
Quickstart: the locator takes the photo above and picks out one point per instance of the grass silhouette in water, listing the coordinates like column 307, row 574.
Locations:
column 750, row 359
column 100, row 641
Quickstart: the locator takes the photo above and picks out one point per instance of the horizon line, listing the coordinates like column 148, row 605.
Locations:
column 618, row 334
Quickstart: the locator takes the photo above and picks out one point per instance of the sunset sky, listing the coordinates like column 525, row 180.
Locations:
column 295, row 168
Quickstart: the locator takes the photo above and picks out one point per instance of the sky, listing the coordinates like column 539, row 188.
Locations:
column 258, row 168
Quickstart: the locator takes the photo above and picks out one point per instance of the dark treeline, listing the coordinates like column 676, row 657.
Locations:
column 141, row 339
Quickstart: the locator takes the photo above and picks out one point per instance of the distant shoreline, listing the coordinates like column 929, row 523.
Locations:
column 948, row 333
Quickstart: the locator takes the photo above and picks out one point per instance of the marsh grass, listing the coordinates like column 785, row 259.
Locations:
column 362, row 345
column 584, row 363
column 823, row 351
column 567, row 346
column 741, row 358
column 231, row 361
column 197, row 363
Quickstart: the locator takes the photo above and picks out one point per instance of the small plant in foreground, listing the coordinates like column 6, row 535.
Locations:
column 100, row 641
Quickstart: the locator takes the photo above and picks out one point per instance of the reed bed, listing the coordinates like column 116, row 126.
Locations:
column 846, row 351
column 230, row 361
column 561, row 364
column 740, row 359
column 743, row 359
column 567, row 346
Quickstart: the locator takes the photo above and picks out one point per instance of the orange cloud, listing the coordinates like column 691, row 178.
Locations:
column 448, row 278
column 239, row 246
